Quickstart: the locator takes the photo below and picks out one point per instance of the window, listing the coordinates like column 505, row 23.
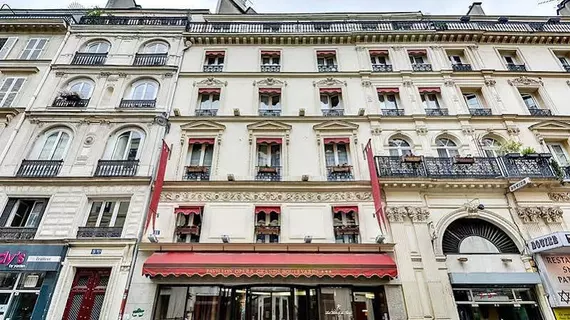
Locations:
column 559, row 153
column 417, row 59
column 491, row 147
column 326, row 61
column 155, row 47
column 215, row 60
column 455, row 59
column 387, row 101
column 145, row 90
column 54, row 146
column 564, row 61
column 430, row 101
column 529, row 101
column 336, row 154
column 6, row 45
column 20, row 292
column 127, row 146
column 379, row 59
column 331, row 101
column 209, row 101
column 270, row 59
column 82, row 87
column 267, row 224
column 188, row 224
column 33, row 49
column 201, row 154
column 510, row 60
column 268, row 155
column 446, row 148
column 98, row 47
column 472, row 101
column 23, row 213
column 399, row 147
column 9, row 90
column 345, row 224
column 270, row 101
column 107, row 214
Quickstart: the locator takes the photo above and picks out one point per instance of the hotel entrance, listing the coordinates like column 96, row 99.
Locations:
column 497, row 304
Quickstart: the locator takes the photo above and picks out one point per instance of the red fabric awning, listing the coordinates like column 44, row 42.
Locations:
column 270, row 140
column 201, row 141
column 209, row 90
column 336, row 140
column 188, row 210
column 215, row 53
column 270, row 90
column 270, row 53
column 345, row 209
column 429, row 90
column 417, row 52
column 387, row 90
column 267, row 209
column 270, row 265
column 378, row 52
column 322, row 53
column 330, row 90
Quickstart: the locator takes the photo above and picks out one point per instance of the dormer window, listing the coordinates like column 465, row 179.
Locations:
column 270, row 61
column 188, row 224
column 380, row 61
column 214, row 61
column 419, row 60
column 267, row 224
column 345, row 224
column 331, row 101
column 326, row 61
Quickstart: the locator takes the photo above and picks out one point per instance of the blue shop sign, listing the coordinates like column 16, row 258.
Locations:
column 31, row 257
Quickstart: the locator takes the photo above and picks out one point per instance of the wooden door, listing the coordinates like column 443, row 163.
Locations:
column 87, row 294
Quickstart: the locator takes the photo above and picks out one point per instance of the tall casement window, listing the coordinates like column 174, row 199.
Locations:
column 199, row 159
column 430, row 100
column 380, row 61
column 93, row 53
column 345, row 224
column 77, row 94
column 419, row 60
column 105, row 220
column 270, row 61
column 399, row 147
column 534, row 103
column 491, row 147
column 46, row 156
column 269, row 102
column 208, row 102
column 9, row 91
column 267, row 224
column 141, row 94
column 388, row 98
column 337, row 159
column 559, row 153
column 127, row 145
column 98, row 47
column 331, row 101
column 121, row 158
column 34, row 48
column 188, row 224
column 21, row 217
column 154, row 53
column 446, row 148
column 214, row 61
column 269, row 159
column 327, row 61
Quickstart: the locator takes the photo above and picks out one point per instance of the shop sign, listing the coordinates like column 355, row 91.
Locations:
column 31, row 257
column 338, row 311
column 557, row 274
column 562, row 313
column 549, row 242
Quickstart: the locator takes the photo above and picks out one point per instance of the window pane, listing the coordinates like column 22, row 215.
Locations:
column 208, row 156
column 121, row 214
column 275, row 155
column 121, row 146
column 7, row 280
column 342, row 153
column 61, row 146
column 21, row 214
column 329, row 155
column 46, row 151
column 394, row 152
column 276, row 60
column 108, row 208
column 94, row 214
column 133, row 150
column 220, row 60
column 264, row 101
column 333, row 299
column 335, row 101
column 196, row 154
column 265, row 60
column 320, row 61
column 262, row 155
column 34, row 216
column 275, row 101
column 324, row 101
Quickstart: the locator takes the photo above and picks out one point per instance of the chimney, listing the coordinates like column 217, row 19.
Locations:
column 121, row 4
column 563, row 8
column 476, row 9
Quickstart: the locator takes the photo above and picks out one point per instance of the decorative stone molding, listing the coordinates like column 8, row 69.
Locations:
column 269, row 82
column 467, row 130
column 529, row 214
column 422, row 130
column 396, row 214
column 253, row 196
column 513, row 130
column 329, row 82
column 123, row 75
column 415, row 214
column 490, row 83
column 104, row 74
column 525, row 81
column 210, row 82
column 59, row 74
column 376, row 131
column 418, row 214
column 559, row 196
column 167, row 75
column 533, row 214
column 366, row 83
column 551, row 214
column 407, row 83
column 449, row 83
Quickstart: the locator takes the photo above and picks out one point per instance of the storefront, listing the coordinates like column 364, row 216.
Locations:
column 267, row 286
column 28, row 274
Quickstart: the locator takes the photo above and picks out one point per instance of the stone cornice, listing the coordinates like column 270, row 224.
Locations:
column 131, row 69
column 73, row 181
column 461, row 185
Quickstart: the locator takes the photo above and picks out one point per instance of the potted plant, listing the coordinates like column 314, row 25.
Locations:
column 410, row 158
column 267, row 169
column 70, row 95
column 463, row 160
column 529, row 152
column 511, row 149
column 341, row 168
column 558, row 171
column 195, row 169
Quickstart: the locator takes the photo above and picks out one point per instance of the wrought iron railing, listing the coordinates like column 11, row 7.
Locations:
column 437, row 112
column 382, row 68
column 206, row 112
column 91, row 59
column 480, row 112
column 328, row 68
column 397, row 167
column 70, row 103
column 150, row 59
column 462, row 67
column 138, row 104
column 39, row 168
column 392, row 112
column 213, row 68
column 269, row 112
column 268, row 173
column 134, row 21
column 522, row 167
column 566, row 171
column 116, row 168
column 477, row 168
column 17, row 233
column 422, row 67
column 516, row 67
column 567, row 67
column 270, row 68
column 540, row 112
column 99, row 232
column 333, row 112
column 197, row 173
column 32, row 16
column 340, row 173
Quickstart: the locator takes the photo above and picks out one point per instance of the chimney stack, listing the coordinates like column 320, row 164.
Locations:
column 121, row 4
column 476, row 9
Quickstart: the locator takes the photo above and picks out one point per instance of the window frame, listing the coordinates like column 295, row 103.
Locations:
column 453, row 60
column 425, row 101
column 97, row 43
column 415, row 57
column 327, row 61
column 128, row 145
column 272, row 59
column 267, row 223
column 344, row 223
column 399, row 148
column 34, row 49
column 83, row 82
column 182, row 222
column 329, row 97
column 270, row 154
column 383, row 99
column 555, row 154
column 39, row 214
column 532, row 97
column 491, row 151
column 203, row 152
column 46, row 136
column 211, row 100
column 336, row 154
column 216, row 62
column 477, row 99
column 375, row 60
column 114, row 214
column 146, row 84
column 155, row 43
column 10, row 90
column 447, row 147
column 270, row 105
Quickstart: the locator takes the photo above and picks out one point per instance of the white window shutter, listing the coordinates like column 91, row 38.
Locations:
column 9, row 90
column 7, row 47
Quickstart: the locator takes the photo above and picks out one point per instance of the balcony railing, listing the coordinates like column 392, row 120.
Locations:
column 16, row 233
column 382, row 68
column 480, row 112
column 268, row 173
column 567, row 67
column 328, row 68
column 267, row 230
column 566, row 171
column 134, row 21
column 477, row 168
column 39, row 168
column 540, row 112
column 333, row 112
column 516, row 67
column 60, row 102
column 392, row 112
column 99, row 232
column 90, row 59
column 137, row 104
column 116, row 168
column 461, row 67
column 270, row 68
column 197, row 173
column 150, row 59
column 398, row 168
column 339, row 173
column 213, row 68
column 270, row 112
column 522, row 167
column 206, row 112
column 437, row 112
column 422, row 67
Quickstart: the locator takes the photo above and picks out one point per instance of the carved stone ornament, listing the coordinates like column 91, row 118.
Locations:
column 490, row 83
column 329, row 82
column 59, row 74
column 513, row 130
column 398, row 214
column 104, row 74
column 422, row 130
column 467, row 130
column 408, row 83
column 270, row 82
column 211, row 82
column 376, row 131
column 366, row 83
column 418, row 214
column 449, row 83
column 525, row 81
column 559, row 196
column 529, row 214
column 548, row 214
column 278, row 197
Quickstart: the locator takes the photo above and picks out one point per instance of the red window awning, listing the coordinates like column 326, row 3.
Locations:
column 270, row 140
column 417, row 52
column 345, row 209
column 270, row 90
column 387, row 90
column 323, row 53
column 378, row 52
column 209, row 91
column 270, row 265
column 201, row 141
column 270, row 53
column 267, row 209
column 215, row 53
column 330, row 90
column 429, row 90
column 188, row 210
column 336, row 140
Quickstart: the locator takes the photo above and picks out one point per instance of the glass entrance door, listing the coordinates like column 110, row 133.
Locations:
column 496, row 304
column 271, row 303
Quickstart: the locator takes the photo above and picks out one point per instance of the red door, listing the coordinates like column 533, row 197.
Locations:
column 87, row 294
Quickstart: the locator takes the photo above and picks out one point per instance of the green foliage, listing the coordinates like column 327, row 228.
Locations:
column 95, row 12
column 511, row 146
column 557, row 169
column 528, row 150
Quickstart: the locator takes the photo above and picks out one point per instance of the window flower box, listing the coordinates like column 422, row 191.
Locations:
column 531, row 155
column 411, row 159
column 342, row 168
column 464, row 160
column 70, row 96
column 196, row 169
column 513, row 155
column 267, row 170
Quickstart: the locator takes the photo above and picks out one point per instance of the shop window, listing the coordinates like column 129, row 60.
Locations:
column 345, row 224
column 267, row 224
column 188, row 224
column 18, row 294
column 500, row 303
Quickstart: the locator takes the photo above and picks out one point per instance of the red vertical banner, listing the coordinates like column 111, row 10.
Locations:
column 376, row 188
column 157, row 190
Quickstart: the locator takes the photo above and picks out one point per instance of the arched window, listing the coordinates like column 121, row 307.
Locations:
column 476, row 236
column 52, row 145
column 446, row 148
column 155, row 47
column 491, row 147
column 98, row 47
column 83, row 87
column 127, row 145
column 399, row 147
column 144, row 90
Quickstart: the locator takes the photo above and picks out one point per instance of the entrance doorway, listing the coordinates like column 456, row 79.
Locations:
column 496, row 304
column 87, row 294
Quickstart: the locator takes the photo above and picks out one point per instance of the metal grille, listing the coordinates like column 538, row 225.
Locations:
column 97, row 306
column 82, row 281
column 461, row 229
column 75, row 307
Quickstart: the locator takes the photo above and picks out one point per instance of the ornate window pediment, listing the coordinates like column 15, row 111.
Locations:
column 210, row 82
column 270, row 82
column 551, row 129
column 202, row 128
column 335, row 127
column 329, row 82
column 524, row 81
column 269, row 126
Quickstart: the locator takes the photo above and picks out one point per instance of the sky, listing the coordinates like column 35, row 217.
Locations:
column 453, row 7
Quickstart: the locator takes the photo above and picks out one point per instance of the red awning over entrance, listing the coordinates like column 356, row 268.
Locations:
column 269, row 265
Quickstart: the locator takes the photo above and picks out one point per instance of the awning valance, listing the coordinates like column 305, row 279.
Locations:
column 188, row 210
column 429, row 90
column 378, row 52
column 270, row 140
column 323, row 53
column 201, row 141
column 336, row 140
column 209, row 91
column 270, row 90
column 345, row 209
column 215, row 53
column 387, row 90
column 330, row 90
column 267, row 209
column 417, row 52
column 269, row 265
column 270, row 53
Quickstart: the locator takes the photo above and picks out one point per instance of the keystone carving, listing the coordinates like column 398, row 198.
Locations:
column 559, row 196
column 270, row 82
column 329, row 82
column 533, row 214
column 415, row 214
column 211, row 82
